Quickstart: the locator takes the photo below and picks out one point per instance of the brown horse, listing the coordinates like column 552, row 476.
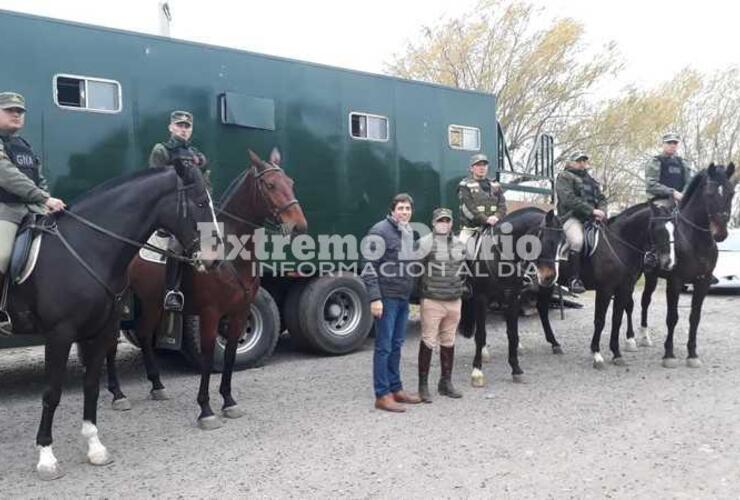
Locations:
column 262, row 193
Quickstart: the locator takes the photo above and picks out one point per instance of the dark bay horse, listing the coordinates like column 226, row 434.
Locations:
column 73, row 295
column 263, row 192
column 641, row 232
column 500, row 274
column 700, row 221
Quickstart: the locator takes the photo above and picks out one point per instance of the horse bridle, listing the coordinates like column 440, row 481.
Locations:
column 261, row 183
column 182, row 212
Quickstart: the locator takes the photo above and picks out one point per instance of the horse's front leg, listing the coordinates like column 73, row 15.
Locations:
column 120, row 401
column 651, row 282
column 236, row 325
column 477, row 379
column 544, row 296
column 93, row 353
column 511, row 312
column 56, row 350
column 629, row 307
column 697, row 300
column 208, row 331
column 673, row 290
column 602, row 304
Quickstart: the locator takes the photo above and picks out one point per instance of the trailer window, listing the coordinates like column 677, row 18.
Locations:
column 87, row 93
column 462, row 137
column 368, row 127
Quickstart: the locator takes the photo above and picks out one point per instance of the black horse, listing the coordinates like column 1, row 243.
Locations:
column 74, row 293
column 700, row 221
column 640, row 233
column 525, row 242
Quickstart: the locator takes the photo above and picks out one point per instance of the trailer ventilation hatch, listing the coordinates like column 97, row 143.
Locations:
column 247, row 111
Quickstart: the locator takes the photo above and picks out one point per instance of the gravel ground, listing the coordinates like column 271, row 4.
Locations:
column 310, row 430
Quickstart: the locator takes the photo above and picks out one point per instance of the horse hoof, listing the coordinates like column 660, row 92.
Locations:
column 100, row 457
column 630, row 345
column 646, row 342
column 619, row 361
column 556, row 349
column 669, row 363
column 519, row 378
column 122, row 404
column 209, row 423
column 159, row 394
column 49, row 472
column 693, row 362
column 233, row 412
column 477, row 379
column 485, row 354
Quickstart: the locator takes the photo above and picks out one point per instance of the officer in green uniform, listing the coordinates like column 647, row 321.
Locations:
column 667, row 174
column 482, row 199
column 23, row 188
column 177, row 147
column 579, row 199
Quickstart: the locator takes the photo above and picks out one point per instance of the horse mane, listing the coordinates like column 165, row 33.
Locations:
column 693, row 186
column 522, row 212
column 628, row 211
column 116, row 181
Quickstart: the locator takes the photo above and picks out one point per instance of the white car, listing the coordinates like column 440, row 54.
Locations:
column 727, row 270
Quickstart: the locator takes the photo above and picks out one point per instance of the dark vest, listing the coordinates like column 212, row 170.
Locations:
column 178, row 150
column 671, row 172
column 23, row 157
column 590, row 189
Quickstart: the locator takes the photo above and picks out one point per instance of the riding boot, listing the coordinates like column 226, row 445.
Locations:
column 425, row 359
column 6, row 327
column 575, row 285
column 173, row 299
column 447, row 359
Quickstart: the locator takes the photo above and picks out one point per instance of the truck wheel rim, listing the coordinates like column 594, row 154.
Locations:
column 342, row 311
column 251, row 333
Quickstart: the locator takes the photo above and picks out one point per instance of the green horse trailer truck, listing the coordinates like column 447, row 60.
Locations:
column 98, row 99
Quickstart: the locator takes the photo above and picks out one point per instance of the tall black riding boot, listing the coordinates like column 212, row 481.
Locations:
column 447, row 359
column 173, row 299
column 425, row 360
column 6, row 327
column 575, row 285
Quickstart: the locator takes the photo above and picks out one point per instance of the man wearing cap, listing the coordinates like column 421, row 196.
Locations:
column 482, row 200
column 177, row 147
column 440, row 288
column 579, row 199
column 667, row 174
column 23, row 188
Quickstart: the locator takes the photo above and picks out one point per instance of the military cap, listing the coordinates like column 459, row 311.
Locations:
column 671, row 137
column 181, row 117
column 9, row 100
column 578, row 155
column 441, row 213
column 480, row 157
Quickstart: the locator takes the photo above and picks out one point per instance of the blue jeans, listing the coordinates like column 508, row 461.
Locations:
column 390, row 331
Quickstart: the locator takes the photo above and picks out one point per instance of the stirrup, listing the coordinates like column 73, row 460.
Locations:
column 174, row 300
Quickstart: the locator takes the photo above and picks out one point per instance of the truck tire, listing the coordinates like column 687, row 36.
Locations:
column 334, row 314
column 291, row 318
column 256, row 344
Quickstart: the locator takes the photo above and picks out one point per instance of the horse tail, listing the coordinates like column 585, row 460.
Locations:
column 467, row 318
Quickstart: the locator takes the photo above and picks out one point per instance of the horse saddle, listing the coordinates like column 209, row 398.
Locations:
column 26, row 248
column 158, row 239
column 591, row 237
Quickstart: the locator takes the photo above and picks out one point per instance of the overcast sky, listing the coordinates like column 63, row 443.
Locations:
column 656, row 37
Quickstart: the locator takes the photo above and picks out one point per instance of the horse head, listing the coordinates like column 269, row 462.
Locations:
column 277, row 201
column 717, row 191
column 195, row 217
column 551, row 237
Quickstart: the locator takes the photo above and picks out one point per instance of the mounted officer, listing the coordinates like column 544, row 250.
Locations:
column 667, row 174
column 23, row 188
column 177, row 148
column 482, row 199
column 579, row 199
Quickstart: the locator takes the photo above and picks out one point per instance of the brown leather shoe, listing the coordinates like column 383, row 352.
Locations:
column 406, row 397
column 387, row 403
